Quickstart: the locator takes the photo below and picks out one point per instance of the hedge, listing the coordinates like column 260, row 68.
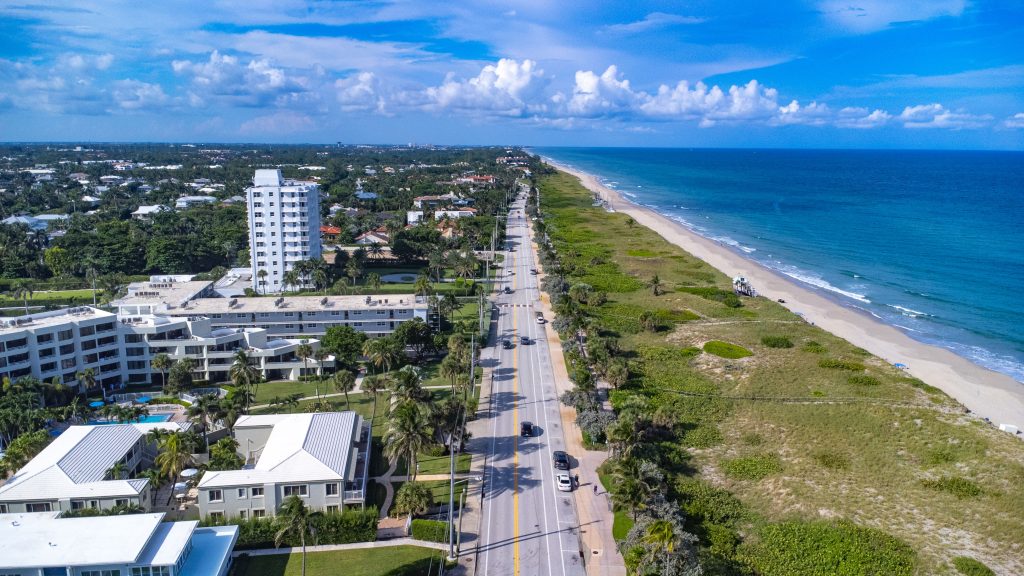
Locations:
column 331, row 528
column 430, row 530
column 726, row 350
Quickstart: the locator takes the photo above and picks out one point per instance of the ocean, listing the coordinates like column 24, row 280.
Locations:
column 931, row 242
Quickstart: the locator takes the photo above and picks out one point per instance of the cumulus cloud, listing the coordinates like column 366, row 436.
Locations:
column 1015, row 121
column 813, row 114
column 137, row 95
column 937, row 116
column 509, row 88
column 862, row 118
column 360, row 92
column 713, row 105
column 603, row 95
column 257, row 83
column 653, row 21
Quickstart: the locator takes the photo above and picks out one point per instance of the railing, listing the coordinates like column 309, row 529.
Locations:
column 193, row 395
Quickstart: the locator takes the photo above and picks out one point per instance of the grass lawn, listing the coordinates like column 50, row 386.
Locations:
column 391, row 561
column 53, row 298
column 621, row 525
column 283, row 388
column 865, row 456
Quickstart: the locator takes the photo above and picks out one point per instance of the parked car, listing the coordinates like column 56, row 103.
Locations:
column 533, row 271
column 540, row 318
column 525, row 428
column 524, row 340
column 561, row 460
column 564, row 483
column 507, row 344
column 507, row 290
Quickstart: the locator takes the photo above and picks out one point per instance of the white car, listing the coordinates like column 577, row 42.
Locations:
column 564, row 482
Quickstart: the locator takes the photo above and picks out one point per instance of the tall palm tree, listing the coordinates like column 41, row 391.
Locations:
column 304, row 352
column 262, row 276
column 117, row 471
column 375, row 251
column 244, row 375
column 374, row 350
column 175, row 455
column 205, row 411
column 408, row 433
column 290, row 278
column 407, row 384
column 373, row 280
column 320, row 279
column 155, row 479
column 22, row 288
column 353, row 270
column 344, row 382
column 662, row 534
column 162, row 362
column 437, row 261
column 87, row 378
column 422, row 285
column 373, row 385
column 296, row 520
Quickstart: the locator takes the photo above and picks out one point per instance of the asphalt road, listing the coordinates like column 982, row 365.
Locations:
column 528, row 527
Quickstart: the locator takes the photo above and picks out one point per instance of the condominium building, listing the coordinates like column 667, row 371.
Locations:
column 284, row 227
column 73, row 471
column 324, row 458
column 60, row 344
column 44, row 544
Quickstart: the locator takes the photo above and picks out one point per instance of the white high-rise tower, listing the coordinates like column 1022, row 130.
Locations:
column 284, row 227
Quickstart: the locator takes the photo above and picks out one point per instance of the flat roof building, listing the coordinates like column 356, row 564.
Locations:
column 284, row 227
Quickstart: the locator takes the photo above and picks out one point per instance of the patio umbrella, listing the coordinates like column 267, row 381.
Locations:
column 143, row 399
column 96, row 404
column 189, row 472
column 180, row 487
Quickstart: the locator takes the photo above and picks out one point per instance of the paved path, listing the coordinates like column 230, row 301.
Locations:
column 332, row 547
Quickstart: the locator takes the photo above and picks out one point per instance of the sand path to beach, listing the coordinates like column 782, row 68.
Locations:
column 986, row 393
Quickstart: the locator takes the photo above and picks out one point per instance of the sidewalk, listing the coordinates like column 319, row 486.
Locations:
column 332, row 547
column 593, row 508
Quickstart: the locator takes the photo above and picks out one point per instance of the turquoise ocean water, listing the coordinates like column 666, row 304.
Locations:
column 929, row 241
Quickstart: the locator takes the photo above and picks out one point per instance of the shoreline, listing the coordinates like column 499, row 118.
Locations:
column 986, row 393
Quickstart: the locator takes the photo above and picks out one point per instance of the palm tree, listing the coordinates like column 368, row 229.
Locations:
column 373, row 349
column 408, row 433
column 304, row 352
column 319, row 355
column 174, row 456
column 155, row 479
column 290, row 278
column 87, row 378
column 448, row 305
column 244, row 375
column 296, row 521
column 655, row 284
column 373, row 280
column 344, row 382
column 422, row 285
column 630, row 222
column 117, row 471
column 262, row 275
column 162, row 362
column 407, row 384
column 320, row 279
column 450, row 369
column 437, row 261
column 662, row 534
column 353, row 270
column 206, row 410
column 617, row 373
column 373, row 385
column 22, row 288
column 376, row 251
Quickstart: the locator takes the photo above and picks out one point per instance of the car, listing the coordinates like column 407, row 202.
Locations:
column 526, row 428
column 540, row 318
column 561, row 460
column 507, row 290
column 524, row 340
column 507, row 344
column 564, row 482
column 533, row 271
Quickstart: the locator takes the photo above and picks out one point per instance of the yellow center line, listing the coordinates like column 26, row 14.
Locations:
column 515, row 448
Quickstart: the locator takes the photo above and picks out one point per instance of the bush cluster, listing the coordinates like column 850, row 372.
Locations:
column 863, row 380
column 754, row 467
column 777, row 342
column 430, row 530
column 726, row 350
column 971, row 567
column 956, row 485
column 815, row 348
column 838, row 364
column 331, row 528
column 832, row 460
column 726, row 297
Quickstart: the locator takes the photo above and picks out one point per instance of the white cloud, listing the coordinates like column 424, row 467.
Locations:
column 861, row 118
column 360, row 92
column 1015, row 121
column 594, row 95
column 653, row 21
column 750, row 102
column 257, row 83
column 136, row 95
column 937, row 116
column 813, row 114
column 865, row 16
column 509, row 88
column 281, row 122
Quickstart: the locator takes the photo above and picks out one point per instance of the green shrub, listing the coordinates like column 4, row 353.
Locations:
column 956, row 485
column 971, row 567
column 707, row 504
column 754, row 467
column 863, row 380
column 726, row 350
column 838, row 364
column 726, row 297
column 815, row 348
column 430, row 530
column 704, row 436
column 343, row 527
column 832, row 460
column 823, row 548
column 777, row 342
column 437, row 450
column 921, row 385
column 752, row 439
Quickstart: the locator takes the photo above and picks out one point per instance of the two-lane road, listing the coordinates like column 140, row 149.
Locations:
column 528, row 526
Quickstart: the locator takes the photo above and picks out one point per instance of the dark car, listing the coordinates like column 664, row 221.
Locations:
column 525, row 429
column 561, row 460
column 507, row 344
column 508, row 290
column 525, row 340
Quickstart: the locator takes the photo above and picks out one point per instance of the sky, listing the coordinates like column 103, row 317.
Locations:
column 797, row 73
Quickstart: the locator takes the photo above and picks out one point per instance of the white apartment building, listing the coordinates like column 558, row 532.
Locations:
column 71, row 472
column 61, row 343
column 43, row 544
column 324, row 458
column 284, row 227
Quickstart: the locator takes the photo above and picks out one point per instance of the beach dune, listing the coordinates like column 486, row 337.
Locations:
column 986, row 393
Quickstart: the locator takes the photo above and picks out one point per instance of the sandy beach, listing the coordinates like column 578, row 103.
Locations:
column 986, row 393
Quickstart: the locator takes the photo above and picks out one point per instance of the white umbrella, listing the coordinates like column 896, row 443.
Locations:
column 189, row 472
column 180, row 487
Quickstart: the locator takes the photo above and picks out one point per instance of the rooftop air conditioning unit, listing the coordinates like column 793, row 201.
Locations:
column 278, row 302
column 323, row 301
column 232, row 302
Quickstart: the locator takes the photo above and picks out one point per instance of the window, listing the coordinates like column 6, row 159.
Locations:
column 3, row 508
column 38, row 507
column 77, row 504
column 101, row 573
column 332, row 508
column 257, row 491
column 332, row 489
column 243, row 493
column 242, row 513
column 65, row 335
column 215, row 496
column 296, row 490
column 41, row 338
column 216, row 514
column 259, row 513
column 121, row 502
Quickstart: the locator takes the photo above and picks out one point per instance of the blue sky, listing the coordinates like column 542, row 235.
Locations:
column 801, row 73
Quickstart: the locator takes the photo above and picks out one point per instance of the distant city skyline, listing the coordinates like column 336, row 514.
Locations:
column 810, row 73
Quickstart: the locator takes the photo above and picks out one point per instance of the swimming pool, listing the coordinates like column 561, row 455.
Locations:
column 155, row 417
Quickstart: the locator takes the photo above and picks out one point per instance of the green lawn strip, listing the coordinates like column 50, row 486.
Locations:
column 621, row 524
column 390, row 561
